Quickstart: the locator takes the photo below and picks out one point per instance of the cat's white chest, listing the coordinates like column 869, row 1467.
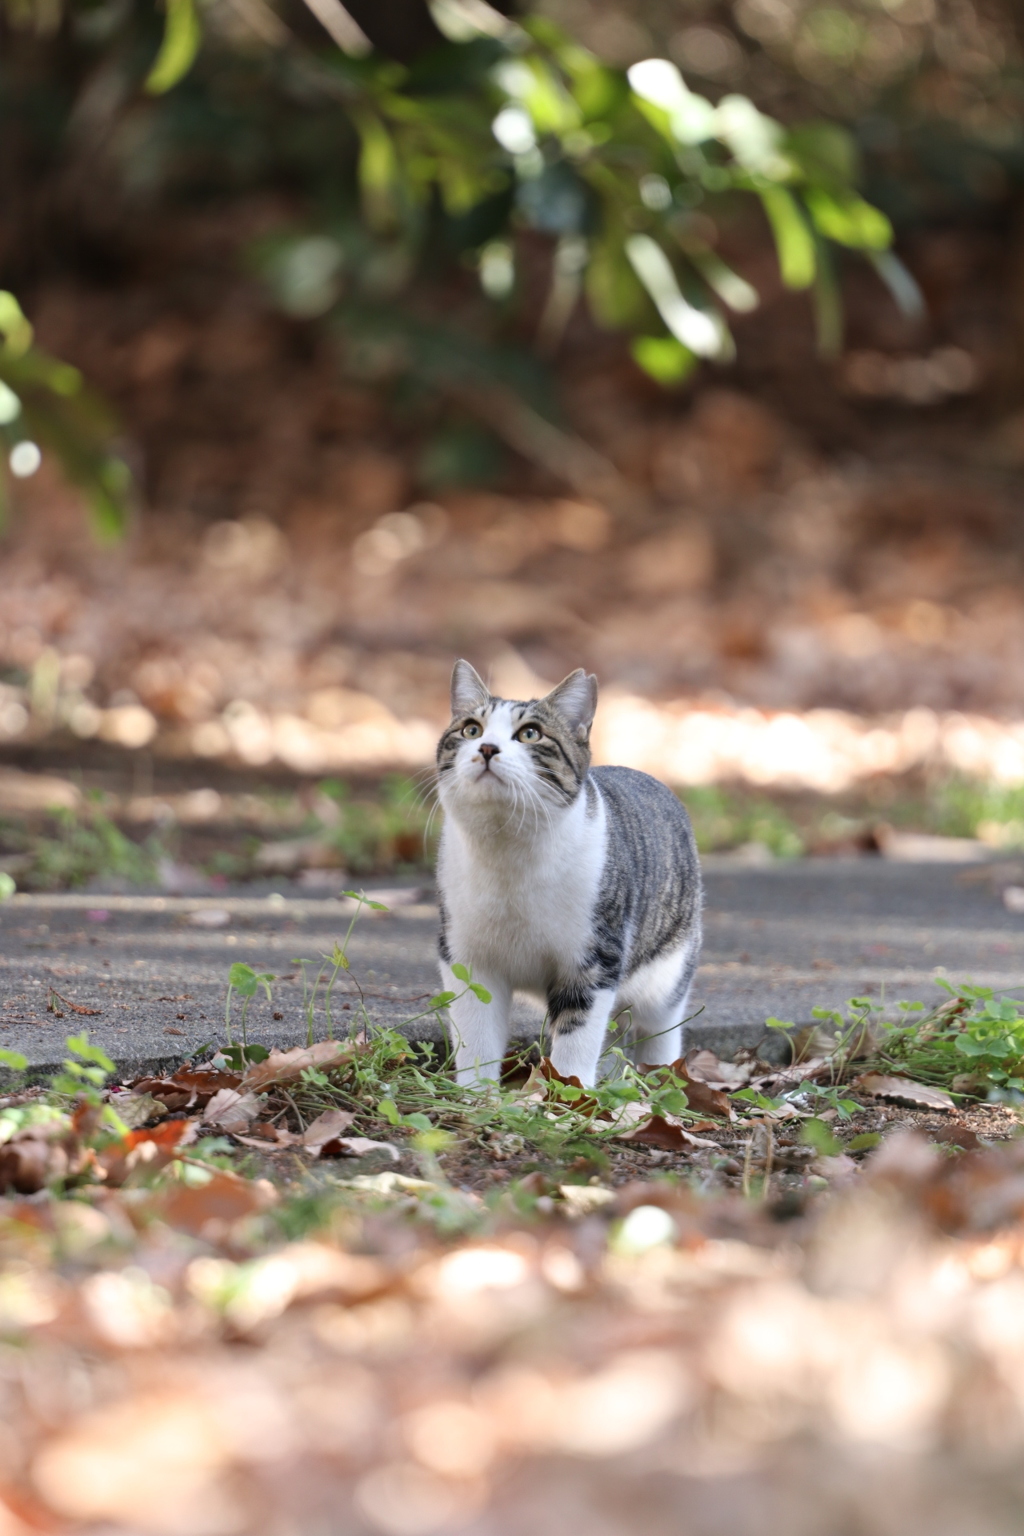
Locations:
column 522, row 908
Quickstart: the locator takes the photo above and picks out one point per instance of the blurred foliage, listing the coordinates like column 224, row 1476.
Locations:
column 491, row 135
column 43, row 401
column 932, row 89
column 78, row 849
column 389, row 831
column 965, row 807
column 403, row 174
column 619, row 142
column 725, row 819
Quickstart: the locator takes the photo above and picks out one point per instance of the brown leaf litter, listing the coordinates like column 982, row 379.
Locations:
column 903, row 1090
column 640, row 1359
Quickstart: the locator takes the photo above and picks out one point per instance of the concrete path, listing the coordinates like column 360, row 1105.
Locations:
column 778, row 940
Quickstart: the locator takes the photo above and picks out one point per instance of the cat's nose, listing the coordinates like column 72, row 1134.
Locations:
column 487, row 751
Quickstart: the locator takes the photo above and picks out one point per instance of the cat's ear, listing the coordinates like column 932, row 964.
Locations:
column 469, row 691
column 575, row 698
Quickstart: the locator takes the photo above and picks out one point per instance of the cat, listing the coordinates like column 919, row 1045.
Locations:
column 579, row 885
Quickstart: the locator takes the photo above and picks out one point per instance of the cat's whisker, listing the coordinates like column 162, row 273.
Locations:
column 540, row 806
column 515, row 806
column 419, row 789
column 434, row 809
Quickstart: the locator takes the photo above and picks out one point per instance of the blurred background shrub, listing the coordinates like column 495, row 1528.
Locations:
column 451, row 161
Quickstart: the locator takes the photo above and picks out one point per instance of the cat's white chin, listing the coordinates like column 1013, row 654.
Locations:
column 485, row 785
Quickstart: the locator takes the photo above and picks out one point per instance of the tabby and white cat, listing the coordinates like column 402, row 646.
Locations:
column 579, row 885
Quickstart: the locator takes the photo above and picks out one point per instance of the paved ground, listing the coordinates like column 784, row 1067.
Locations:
column 778, row 940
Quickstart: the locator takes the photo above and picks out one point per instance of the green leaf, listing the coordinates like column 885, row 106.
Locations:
column 315, row 1079
column 614, row 294
column 663, row 358
column 598, row 90
column 703, row 332
column 761, row 1100
column 107, row 513
column 816, row 1134
column 826, row 152
column 243, row 979
column 433, row 1140
column 741, row 297
column 672, row 1102
column 967, row 1045
column 863, row 1142
column 13, row 1060
column 460, row 971
column 182, row 36
column 849, row 220
column 364, row 901
column 442, row 1000
column 65, row 1084
column 389, row 1111
column 774, row 1023
column 378, row 172
column 794, row 241
column 620, row 1093
column 481, row 992
column 7, row 885
column 14, row 327
column 79, row 1045
column 419, row 1122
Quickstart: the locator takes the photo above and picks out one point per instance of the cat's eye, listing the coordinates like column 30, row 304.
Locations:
column 529, row 733
column 472, row 729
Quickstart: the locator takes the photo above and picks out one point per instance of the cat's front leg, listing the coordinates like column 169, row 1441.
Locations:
column 478, row 1031
column 579, row 1017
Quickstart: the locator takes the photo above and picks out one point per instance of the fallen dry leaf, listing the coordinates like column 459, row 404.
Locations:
column 784, row 1112
column 332, row 1123
column 355, row 1146
column 706, row 1100
column 786, row 1077
column 902, row 1090
column 548, row 1073
column 29, row 1163
column 154, row 1147
column 265, row 1137
column 134, row 1109
column 704, row 1066
column 187, row 1087
column 231, row 1110
column 58, row 998
column 957, row 1136
column 209, row 1207
column 584, row 1199
column 659, row 1132
column 288, row 1066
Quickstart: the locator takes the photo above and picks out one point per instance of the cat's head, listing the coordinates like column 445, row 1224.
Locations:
column 531, row 754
